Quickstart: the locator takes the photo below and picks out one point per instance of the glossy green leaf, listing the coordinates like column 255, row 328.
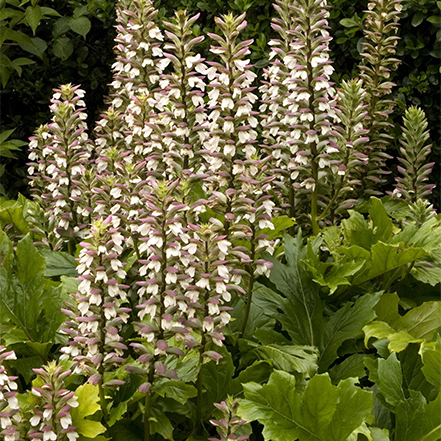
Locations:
column 351, row 367
column 431, row 357
column 175, row 389
column 435, row 19
column 417, row 18
column 117, row 413
column 300, row 359
column 59, row 263
column 390, row 379
column 11, row 212
column 298, row 307
column 88, row 404
column 346, row 323
column 216, row 377
column 159, row 423
column 37, row 48
column 80, row 25
column 322, row 412
column 418, row 421
column 63, row 47
column 386, row 257
column 258, row 320
column 33, row 16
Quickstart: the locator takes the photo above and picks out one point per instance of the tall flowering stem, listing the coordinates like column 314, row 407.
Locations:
column 184, row 88
column 209, row 289
column 64, row 158
column 381, row 27
column 240, row 187
column 95, row 343
column 161, row 294
column 414, row 150
column 351, row 139
column 52, row 419
column 310, row 90
column 138, row 53
column 275, row 117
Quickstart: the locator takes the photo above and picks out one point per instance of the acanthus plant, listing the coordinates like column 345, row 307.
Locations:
column 381, row 27
column 174, row 204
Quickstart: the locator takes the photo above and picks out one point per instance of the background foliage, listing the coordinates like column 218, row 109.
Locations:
column 74, row 45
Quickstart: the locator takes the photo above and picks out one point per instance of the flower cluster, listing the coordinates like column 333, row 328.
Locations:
column 310, row 91
column 232, row 122
column 351, row 139
column 52, row 419
column 412, row 186
column 138, row 53
column 230, row 423
column 62, row 151
column 9, row 409
column 210, row 286
column 184, row 88
column 161, row 299
column 381, row 27
column 275, row 118
column 95, row 343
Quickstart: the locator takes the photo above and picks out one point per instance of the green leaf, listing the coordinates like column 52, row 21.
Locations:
column 300, row 359
column 117, row 413
column 390, row 379
column 88, row 399
column 257, row 320
column 59, row 263
column 435, row 19
column 11, row 212
column 216, row 377
column 352, row 409
column 298, row 308
column 33, row 16
column 418, row 421
column 175, row 389
column 356, row 231
column 379, row 434
column 348, row 23
column 417, row 18
column 5, row 135
column 413, row 376
column 37, row 48
column 159, row 423
column 63, row 47
column 125, row 430
column 19, row 37
column 351, row 367
column 49, row 12
column 80, row 25
column 322, row 412
column 25, row 365
column 346, row 323
column 422, row 321
column 386, row 257
column 280, row 223
column 6, row 13
column 382, row 224
column 431, row 357
column 61, row 26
